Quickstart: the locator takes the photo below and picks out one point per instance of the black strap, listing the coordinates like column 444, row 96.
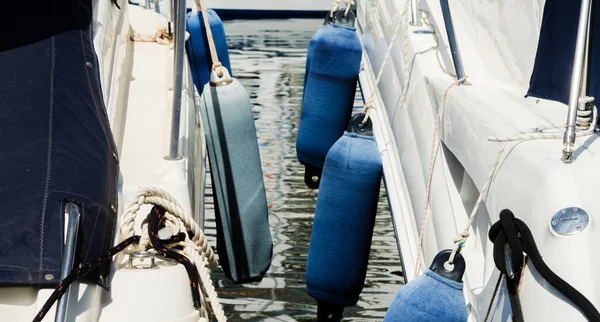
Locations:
column 504, row 236
column 155, row 217
column 514, row 232
column 83, row 270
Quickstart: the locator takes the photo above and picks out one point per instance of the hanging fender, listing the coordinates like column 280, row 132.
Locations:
column 340, row 237
column 333, row 63
column 413, row 303
column 244, row 240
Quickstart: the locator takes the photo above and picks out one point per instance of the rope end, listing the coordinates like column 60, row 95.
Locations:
column 220, row 76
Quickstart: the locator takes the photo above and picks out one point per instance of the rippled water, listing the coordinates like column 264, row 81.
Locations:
column 268, row 57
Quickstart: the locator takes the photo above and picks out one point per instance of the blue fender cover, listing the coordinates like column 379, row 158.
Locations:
column 428, row 298
column 244, row 241
column 333, row 64
column 344, row 219
column 197, row 46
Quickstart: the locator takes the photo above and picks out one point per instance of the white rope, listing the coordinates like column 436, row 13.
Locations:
column 369, row 104
column 533, row 134
column 349, row 4
column 175, row 221
column 408, row 68
column 156, row 196
column 207, row 285
column 217, row 66
column 433, row 29
column 585, row 124
column 552, row 132
column 336, row 6
column 462, row 237
column 432, row 157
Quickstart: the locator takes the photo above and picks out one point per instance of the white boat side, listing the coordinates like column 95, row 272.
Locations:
column 498, row 43
column 137, row 86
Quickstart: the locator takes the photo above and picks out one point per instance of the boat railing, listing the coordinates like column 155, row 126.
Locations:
column 414, row 13
column 577, row 95
column 458, row 66
column 179, row 12
column 74, row 213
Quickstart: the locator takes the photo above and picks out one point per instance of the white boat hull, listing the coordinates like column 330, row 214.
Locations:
column 498, row 45
column 136, row 79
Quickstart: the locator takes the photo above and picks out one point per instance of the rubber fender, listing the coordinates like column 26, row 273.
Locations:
column 244, row 242
column 344, row 219
column 197, row 48
column 428, row 298
column 333, row 64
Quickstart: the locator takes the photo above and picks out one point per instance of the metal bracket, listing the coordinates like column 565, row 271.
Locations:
column 73, row 211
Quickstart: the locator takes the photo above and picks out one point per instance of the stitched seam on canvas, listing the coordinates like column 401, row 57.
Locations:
column 49, row 154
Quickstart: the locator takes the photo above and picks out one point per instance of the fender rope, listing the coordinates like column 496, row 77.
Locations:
column 512, row 234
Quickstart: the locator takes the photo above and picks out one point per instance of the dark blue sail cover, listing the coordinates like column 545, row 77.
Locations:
column 551, row 77
column 55, row 141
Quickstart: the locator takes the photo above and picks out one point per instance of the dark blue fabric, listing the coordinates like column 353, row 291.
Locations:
column 197, row 47
column 428, row 298
column 344, row 219
column 329, row 91
column 551, row 77
column 55, row 145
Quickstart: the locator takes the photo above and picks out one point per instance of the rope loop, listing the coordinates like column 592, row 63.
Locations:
column 349, row 4
column 217, row 67
column 512, row 234
column 459, row 242
column 184, row 232
column 335, row 7
column 369, row 105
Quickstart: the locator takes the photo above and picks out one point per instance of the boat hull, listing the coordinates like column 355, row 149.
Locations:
column 530, row 180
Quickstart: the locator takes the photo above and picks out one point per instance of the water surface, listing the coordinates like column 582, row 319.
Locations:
column 268, row 58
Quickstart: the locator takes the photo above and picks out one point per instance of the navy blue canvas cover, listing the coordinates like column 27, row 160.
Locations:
column 551, row 77
column 55, row 141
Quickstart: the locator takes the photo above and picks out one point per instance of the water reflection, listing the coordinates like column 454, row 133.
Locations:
column 268, row 58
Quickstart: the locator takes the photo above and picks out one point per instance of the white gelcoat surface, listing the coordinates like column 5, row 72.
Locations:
column 136, row 80
column 498, row 42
